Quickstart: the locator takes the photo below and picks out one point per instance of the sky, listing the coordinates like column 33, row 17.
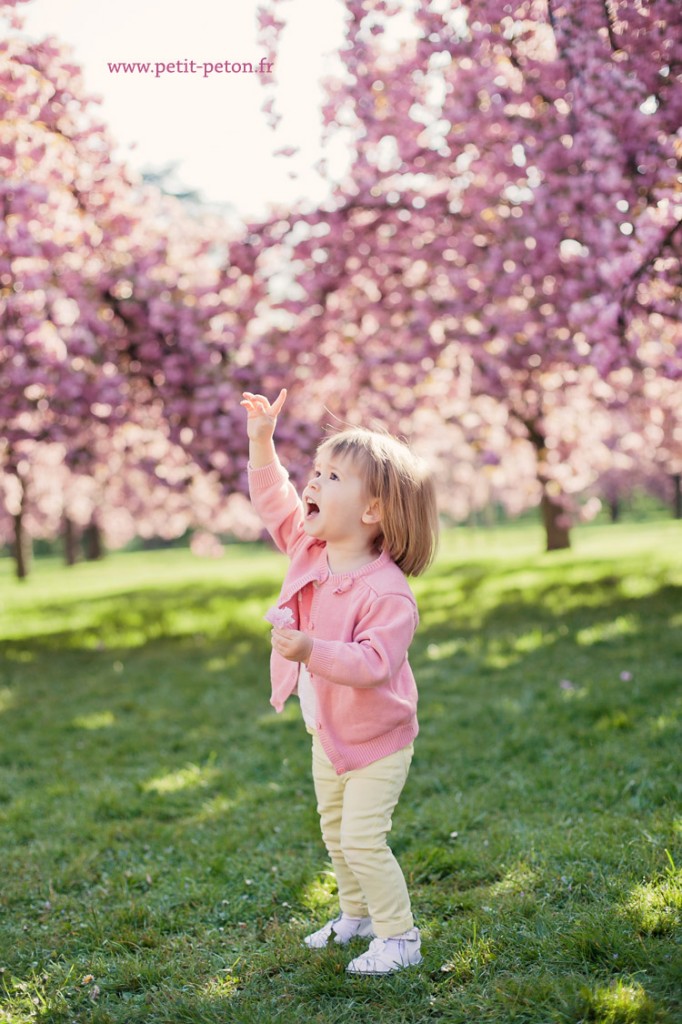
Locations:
column 211, row 125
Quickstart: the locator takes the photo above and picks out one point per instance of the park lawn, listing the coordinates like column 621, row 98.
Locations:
column 160, row 859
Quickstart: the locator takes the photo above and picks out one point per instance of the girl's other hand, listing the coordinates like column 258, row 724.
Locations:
column 292, row 644
column 261, row 415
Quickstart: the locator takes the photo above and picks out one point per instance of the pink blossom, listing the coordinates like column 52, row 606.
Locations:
column 279, row 617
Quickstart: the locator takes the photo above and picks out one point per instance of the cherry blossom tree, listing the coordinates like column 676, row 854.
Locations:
column 118, row 308
column 52, row 378
column 511, row 218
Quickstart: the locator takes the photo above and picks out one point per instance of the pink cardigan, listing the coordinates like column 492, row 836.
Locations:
column 362, row 624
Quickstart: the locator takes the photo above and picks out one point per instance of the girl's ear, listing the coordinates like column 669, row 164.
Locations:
column 372, row 513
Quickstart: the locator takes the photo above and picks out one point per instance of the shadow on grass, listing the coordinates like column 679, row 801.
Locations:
column 135, row 617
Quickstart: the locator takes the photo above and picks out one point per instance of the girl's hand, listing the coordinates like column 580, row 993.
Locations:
column 261, row 416
column 292, row 644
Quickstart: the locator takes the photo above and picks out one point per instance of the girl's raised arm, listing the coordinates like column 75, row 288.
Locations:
column 260, row 426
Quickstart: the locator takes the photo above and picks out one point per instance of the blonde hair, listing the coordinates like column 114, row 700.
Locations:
column 404, row 488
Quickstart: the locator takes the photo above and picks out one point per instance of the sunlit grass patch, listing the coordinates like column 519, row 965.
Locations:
column 607, row 632
column 96, row 720
column 7, row 699
column 620, row 1002
column 319, row 895
column 470, row 961
column 191, row 776
column 655, row 907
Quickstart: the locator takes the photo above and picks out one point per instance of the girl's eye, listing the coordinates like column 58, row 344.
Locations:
column 333, row 476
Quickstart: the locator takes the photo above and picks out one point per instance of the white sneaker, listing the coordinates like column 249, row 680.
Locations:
column 385, row 956
column 343, row 929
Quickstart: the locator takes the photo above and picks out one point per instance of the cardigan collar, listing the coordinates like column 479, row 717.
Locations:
column 364, row 570
column 319, row 572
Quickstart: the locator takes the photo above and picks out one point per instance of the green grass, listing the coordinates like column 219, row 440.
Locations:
column 160, row 858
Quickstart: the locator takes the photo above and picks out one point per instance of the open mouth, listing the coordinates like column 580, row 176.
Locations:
column 312, row 509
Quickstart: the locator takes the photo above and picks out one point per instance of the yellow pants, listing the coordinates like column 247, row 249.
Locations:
column 356, row 816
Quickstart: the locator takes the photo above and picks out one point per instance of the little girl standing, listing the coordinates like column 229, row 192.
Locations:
column 367, row 519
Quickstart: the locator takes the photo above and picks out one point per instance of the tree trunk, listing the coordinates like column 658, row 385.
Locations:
column 92, row 542
column 558, row 535
column 70, row 538
column 677, row 495
column 614, row 510
column 22, row 547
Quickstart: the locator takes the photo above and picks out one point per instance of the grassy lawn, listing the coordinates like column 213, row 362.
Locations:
column 160, row 858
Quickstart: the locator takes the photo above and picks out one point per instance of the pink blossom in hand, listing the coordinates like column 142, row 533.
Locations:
column 279, row 617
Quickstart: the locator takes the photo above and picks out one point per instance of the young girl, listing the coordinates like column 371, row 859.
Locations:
column 367, row 518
